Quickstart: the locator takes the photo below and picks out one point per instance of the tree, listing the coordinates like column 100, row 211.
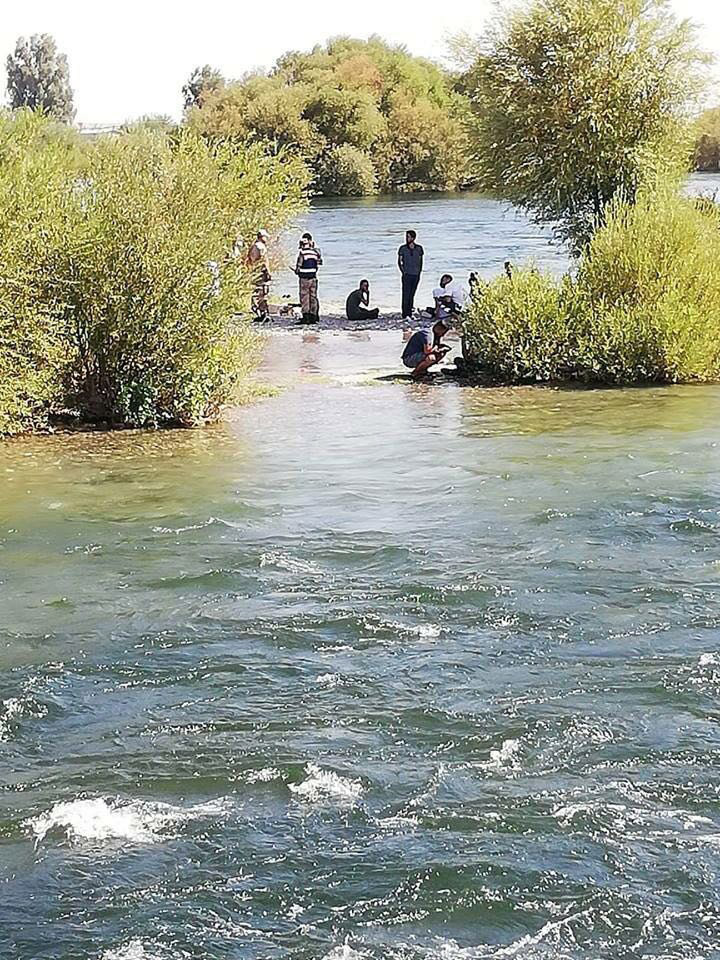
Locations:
column 707, row 146
column 154, row 122
column 203, row 80
column 347, row 172
column 577, row 101
column 39, row 78
column 351, row 110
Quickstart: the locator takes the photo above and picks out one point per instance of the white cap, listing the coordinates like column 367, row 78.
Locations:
column 263, row 233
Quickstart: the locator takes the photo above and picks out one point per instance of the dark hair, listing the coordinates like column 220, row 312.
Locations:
column 411, row 233
column 362, row 282
column 447, row 276
column 306, row 236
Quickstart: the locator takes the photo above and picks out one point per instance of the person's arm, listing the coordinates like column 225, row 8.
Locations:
column 400, row 261
column 422, row 257
column 366, row 297
column 298, row 262
column 319, row 255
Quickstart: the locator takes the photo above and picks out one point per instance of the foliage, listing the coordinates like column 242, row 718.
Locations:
column 578, row 101
column 108, row 305
column 39, row 77
column 202, row 81
column 157, row 122
column 644, row 306
column 346, row 171
column 707, row 143
column 344, row 107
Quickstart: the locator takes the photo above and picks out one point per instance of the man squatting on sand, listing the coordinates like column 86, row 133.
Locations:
column 424, row 349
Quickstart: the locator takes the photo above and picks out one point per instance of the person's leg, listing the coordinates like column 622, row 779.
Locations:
column 305, row 297
column 415, row 281
column 422, row 368
column 406, row 298
column 314, row 304
column 364, row 314
column 262, row 292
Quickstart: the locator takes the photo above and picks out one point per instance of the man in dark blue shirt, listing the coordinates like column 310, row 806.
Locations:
column 410, row 262
column 425, row 348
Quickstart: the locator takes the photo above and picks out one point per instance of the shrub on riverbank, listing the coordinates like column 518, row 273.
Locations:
column 643, row 307
column 109, row 305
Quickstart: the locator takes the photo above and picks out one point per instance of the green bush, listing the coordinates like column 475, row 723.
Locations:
column 108, row 303
column 644, row 305
column 347, row 172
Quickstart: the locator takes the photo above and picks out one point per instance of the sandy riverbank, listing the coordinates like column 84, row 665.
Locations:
column 337, row 321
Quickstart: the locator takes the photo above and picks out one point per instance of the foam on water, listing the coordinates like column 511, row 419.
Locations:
column 283, row 561
column 10, row 712
column 266, row 775
column 100, row 819
column 13, row 710
column 322, row 786
column 345, row 952
column 506, row 759
column 134, row 950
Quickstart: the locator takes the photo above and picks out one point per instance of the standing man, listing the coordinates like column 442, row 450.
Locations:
column 410, row 262
column 308, row 261
column 258, row 261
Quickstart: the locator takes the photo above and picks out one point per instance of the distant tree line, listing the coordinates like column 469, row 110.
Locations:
column 366, row 117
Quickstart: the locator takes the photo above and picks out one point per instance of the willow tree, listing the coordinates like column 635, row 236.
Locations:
column 577, row 101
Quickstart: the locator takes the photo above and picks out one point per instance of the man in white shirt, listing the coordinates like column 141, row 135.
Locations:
column 449, row 298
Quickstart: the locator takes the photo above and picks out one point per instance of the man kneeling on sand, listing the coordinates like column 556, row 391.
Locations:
column 425, row 348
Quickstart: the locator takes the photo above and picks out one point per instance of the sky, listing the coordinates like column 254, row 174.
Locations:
column 131, row 58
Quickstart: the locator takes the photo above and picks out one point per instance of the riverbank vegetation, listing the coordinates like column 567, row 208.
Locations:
column 118, row 283
column 644, row 305
column 576, row 102
column 365, row 116
column 597, row 97
column 707, row 141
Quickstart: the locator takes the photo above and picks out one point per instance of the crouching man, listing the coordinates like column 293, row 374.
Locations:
column 425, row 348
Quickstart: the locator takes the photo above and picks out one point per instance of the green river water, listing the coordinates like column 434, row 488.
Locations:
column 372, row 670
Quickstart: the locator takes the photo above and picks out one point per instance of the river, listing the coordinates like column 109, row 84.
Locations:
column 459, row 232
column 372, row 670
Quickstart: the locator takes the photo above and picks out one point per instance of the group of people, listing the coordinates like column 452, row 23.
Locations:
column 309, row 261
column 424, row 348
column 448, row 298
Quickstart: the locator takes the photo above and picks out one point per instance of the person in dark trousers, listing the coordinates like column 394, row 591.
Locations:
column 308, row 261
column 425, row 348
column 410, row 262
column 358, row 302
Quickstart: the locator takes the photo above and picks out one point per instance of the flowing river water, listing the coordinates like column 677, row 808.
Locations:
column 372, row 670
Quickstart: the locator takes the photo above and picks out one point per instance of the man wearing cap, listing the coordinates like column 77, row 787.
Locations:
column 258, row 261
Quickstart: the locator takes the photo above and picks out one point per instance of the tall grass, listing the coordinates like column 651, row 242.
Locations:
column 644, row 305
column 108, row 306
